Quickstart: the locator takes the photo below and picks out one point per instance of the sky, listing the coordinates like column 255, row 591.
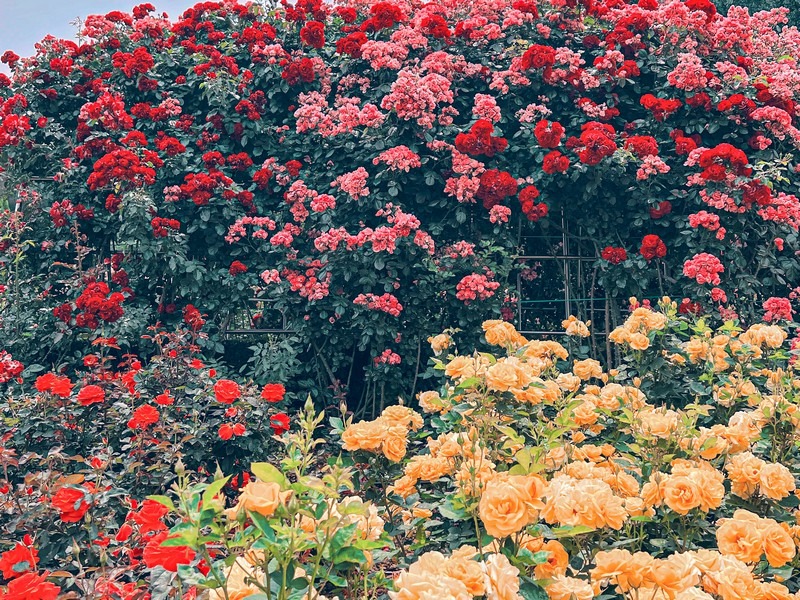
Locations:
column 25, row 22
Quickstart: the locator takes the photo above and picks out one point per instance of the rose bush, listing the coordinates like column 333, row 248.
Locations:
column 361, row 169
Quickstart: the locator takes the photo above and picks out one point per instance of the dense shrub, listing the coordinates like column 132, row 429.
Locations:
column 363, row 170
column 535, row 473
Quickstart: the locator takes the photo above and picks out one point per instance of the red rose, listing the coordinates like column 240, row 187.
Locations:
column 652, row 247
column 273, row 392
column 226, row 391
column 44, row 383
column 614, row 255
column 17, row 561
column 149, row 517
column 168, row 558
column 143, row 417
column 124, row 533
column 313, row 34
column 71, row 504
column 279, row 423
column 239, row 429
column 164, row 399
column 225, row 431
column 91, row 394
column 31, row 586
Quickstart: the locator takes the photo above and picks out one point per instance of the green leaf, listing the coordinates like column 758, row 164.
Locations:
column 267, row 472
column 163, row 500
column 530, row 590
column 567, row 532
column 214, row 488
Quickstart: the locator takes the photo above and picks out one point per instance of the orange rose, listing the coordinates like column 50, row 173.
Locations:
column 557, row 561
column 776, row 481
column 394, row 443
column 364, row 435
column 740, row 539
column 502, row 579
column 468, row 572
column 586, row 369
column 262, row 497
column 506, row 506
column 501, row 333
column 569, row 588
column 681, row 494
column 778, row 544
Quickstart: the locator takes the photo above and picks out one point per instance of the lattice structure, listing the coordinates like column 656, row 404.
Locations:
column 557, row 278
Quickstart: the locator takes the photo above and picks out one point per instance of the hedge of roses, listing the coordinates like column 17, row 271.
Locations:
column 364, row 168
column 535, row 473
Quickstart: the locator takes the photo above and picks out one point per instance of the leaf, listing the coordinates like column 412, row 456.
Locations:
column 267, row 472
column 567, row 532
column 163, row 501
column 214, row 488
column 530, row 590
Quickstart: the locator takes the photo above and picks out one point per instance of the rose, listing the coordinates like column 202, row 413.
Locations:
column 226, row 391
column 262, row 497
column 91, row 394
column 71, row 503
column 506, row 506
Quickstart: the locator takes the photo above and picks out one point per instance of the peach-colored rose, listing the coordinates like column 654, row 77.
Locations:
column 505, row 375
column 569, row 588
column 621, row 568
column 501, row 333
column 467, row 571
column 364, row 435
column 735, row 583
column 586, row 369
column 502, row 579
column 681, row 494
column 460, row 368
column 507, row 506
column 262, row 497
column 677, row 573
column 740, row 539
column 660, row 423
column 779, row 547
column 428, row 468
column 236, row 582
column 568, row 382
column 402, row 416
column 775, row 481
column 639, row 341
column 557, row 561
column 440, row 343
column 394, row 443
column 576, row 327
column 775, row 591
column 404, row 487
column 744, row 472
